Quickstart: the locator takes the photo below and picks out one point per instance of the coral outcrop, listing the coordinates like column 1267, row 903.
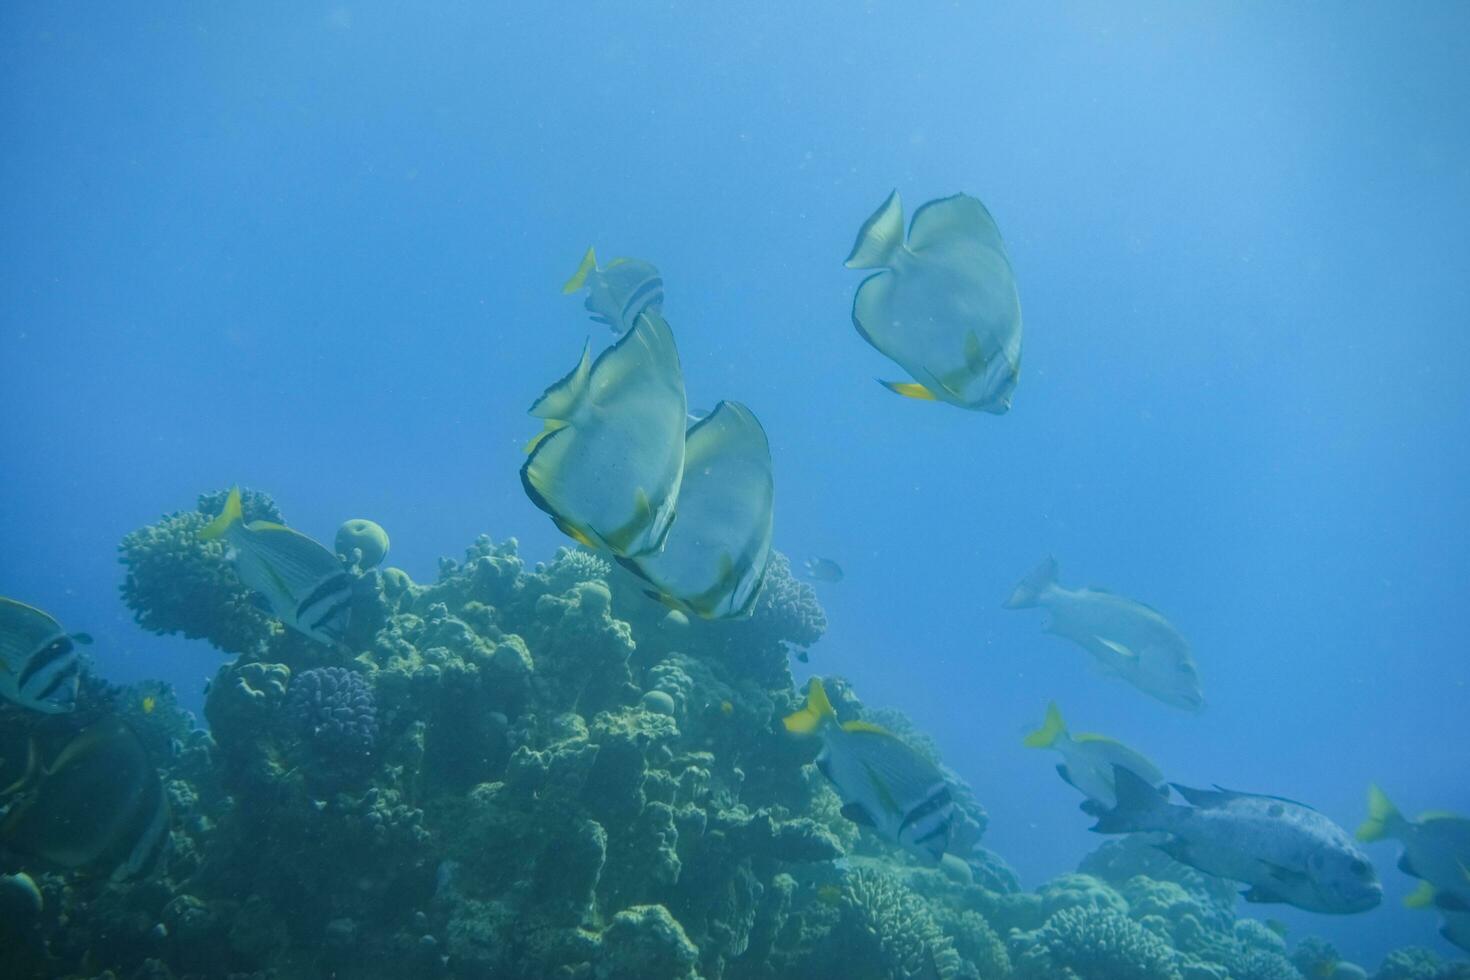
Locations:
column 534, row 771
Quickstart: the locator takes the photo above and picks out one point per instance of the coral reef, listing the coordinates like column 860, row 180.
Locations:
column 334, row 710
column 362, row 544
column 176, row 583
column 533, row 771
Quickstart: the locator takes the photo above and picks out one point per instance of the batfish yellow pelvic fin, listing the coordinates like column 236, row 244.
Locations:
column 909, row 389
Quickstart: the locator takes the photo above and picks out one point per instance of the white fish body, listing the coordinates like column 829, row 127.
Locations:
column 944, row 305
column 884, row 783
column 715, row 557
column 1436, row 850
column 1286, row 851
column 619, row 291
column 609, row 462
column 306, row 585
column 1089, row 761
column 823, row 570
column 1128, row 638
column 39, row 665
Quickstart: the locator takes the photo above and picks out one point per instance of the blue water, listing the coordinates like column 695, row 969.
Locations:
column 316, row 249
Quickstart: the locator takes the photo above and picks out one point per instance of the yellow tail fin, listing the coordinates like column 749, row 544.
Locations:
column 817, row 709
column 1382, row 816
column 228, row 516
column 1421, row 897
column 1052, row 729
column 579, row 278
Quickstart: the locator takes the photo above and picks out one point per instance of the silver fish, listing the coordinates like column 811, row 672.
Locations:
column 619, row 291
column 1436, row 850
column 884, row 783
column 39, row 665
column 1129, row 639
column 1284, row 850
column 823, row 570
column 304, row 585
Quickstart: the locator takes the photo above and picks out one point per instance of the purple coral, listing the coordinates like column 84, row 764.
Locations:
column 334, row 709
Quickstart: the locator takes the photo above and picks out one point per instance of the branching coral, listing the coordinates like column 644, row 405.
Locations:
column 1090, row 942
column 176, row 583
column 556, row 781
column 334, row 710
column 886, row 931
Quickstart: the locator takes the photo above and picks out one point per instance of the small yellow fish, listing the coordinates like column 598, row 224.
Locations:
column 829, row 894
column 726, row 708
column 149, row 703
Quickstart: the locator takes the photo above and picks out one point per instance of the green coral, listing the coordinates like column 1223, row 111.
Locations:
column 361, row 543
column 565, row 785
column 886, row 932
column 1092, row 942
column 176, row 583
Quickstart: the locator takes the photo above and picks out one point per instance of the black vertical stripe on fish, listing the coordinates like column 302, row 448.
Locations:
column 329, row 586
column 650, row 291
column 57, row 650
column 338, row 609
column 940, row 830
column 68, row 674
column 936, row 800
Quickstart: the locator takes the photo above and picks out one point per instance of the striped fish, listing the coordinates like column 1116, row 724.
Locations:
column 303, row 583
column 39, row 665
column 619, row 291
column 884, row 783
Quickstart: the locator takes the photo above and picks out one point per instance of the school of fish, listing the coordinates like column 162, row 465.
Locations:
column 686, row 502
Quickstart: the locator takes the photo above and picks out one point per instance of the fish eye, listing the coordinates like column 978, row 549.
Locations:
column 1359, row 868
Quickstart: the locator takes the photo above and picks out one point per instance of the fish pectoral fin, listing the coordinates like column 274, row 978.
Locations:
column 858, row 814
column 909, row 389
column 1261, row 896
column 1066, row 774
column 1421, row 897
column 552, row 425
column 1176, row 849
column 1092, row 808
column 1407, row 866
column 1286, row 876
column 1118, row 648
column 574, row 533
column 1450, row 902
